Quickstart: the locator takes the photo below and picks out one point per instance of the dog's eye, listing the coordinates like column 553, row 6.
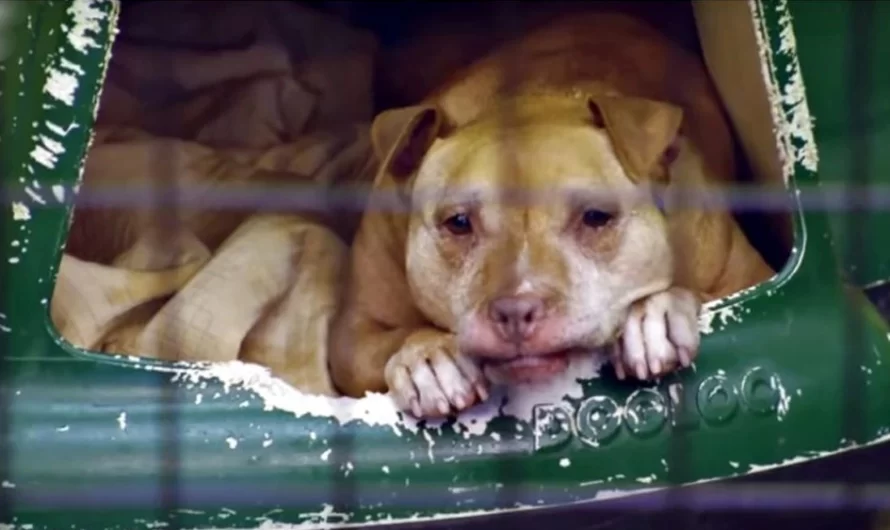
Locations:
column 596, row 218
column 459, row 224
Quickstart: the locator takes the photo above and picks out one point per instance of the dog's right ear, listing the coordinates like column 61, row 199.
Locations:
column 402, row 136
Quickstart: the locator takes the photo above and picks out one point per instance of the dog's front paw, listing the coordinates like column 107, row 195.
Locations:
column 661, row 333
column 429, row 377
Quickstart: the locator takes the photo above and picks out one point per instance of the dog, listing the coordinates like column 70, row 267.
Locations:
column 466, row 284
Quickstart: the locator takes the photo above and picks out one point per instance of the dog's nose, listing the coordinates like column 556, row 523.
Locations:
column 516, row 317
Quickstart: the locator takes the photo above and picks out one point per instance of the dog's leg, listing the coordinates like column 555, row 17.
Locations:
column 660, row 334
column 429, row 377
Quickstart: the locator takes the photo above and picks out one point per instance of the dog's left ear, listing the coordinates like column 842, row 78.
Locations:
column 402, row 136
column 643, row 133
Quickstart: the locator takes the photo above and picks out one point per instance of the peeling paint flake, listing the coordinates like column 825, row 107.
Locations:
column 62, row 80
column 784, row 398
column 800, row 121
column 20, row 212
column 788, row 102
column 379, row 409
column 323, row 519
column 374, row 409
column 87, row 19
column 46, row 153
column 61, row 86
column 708, row 318
column 58, row 130
column 34, row 196
column 72, row 67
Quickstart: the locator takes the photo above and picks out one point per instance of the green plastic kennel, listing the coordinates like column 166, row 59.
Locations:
column 95, row 441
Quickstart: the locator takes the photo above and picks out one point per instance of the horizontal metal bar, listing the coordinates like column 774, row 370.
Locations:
column 309, row 198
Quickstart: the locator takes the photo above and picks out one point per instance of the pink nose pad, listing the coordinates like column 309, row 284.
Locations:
column 516, row 317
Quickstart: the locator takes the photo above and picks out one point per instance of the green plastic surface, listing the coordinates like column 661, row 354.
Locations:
column 824, row 31
column 91, row 440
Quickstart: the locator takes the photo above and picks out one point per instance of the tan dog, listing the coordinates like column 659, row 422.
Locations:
column 473, row 287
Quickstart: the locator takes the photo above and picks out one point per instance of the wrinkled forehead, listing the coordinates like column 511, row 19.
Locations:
column 533, row 165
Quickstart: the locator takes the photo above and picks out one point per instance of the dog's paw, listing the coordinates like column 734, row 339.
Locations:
column 660, row 334
column 430, row 378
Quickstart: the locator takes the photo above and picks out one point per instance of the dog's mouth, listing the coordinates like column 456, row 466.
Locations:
column 532, row 368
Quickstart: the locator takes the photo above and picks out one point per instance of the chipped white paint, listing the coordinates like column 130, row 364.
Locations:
column 564, row 462
column 431, row 442
column 58, row 130
column 62, row 82
column 122, row 421
column 35, row 196
column 70, row 66
column 754, row 468
column 62, row 86
column 325, row 455
column 87, row 19
column 64, row 428
column 323, row 518
column 800, row 122
column 724, row 316
column 784, row 399
column 232, row 442
column 603, row 495
column 47, row 151
column 379, row 409
column 7, row 484
column 788, row 101
column 20, row 212
column 727, row 309
column 374, row 409
column 385, row 469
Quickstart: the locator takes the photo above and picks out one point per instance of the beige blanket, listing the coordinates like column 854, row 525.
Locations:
column 213, row 97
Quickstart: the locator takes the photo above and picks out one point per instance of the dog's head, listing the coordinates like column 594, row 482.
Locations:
column 532, row 232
